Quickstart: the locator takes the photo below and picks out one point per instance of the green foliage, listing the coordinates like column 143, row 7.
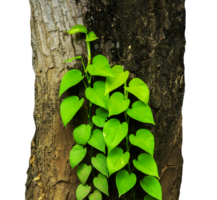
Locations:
column 102, row 132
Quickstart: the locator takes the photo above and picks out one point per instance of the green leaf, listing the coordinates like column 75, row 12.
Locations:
column 141, row 112
column 152, row 186
column 124, row 181
column 96, row 195
column 100, row 117
column 69, row 107
column 138, row 88
column 76, row 155
column 147, row 197
column 82, row 134
column 77, row 29
column 144, row 140
column 116, row 160
column 120, row 78
column 70, row 79
column 100, row 67
column 103, row 113
column 117, row 104
column 98, row 121
column 97, row 140
column 101, row 183
column 71, row 59
column 91, row 37
column 114, row 132
column 146, row 164
column 96, row 94
column 83, row 172
column 82, row 191
column 100, row 163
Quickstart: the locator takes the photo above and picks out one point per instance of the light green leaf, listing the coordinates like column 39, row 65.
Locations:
column 100, row 163
column 69, row 107
column 100, row 67
column 83, row 172
column 117, row 104
column 124, row 181
column 71, row 59
column 96, row 195
column 101, row 183
column 91, row 37
column 103, row 113
column 82, row 134
column 152, row 186
column 138, row 88
column 70, row 79
column 114, row 132
column 146, row 164
column 100, row 117
column 98, row 121
column 116, row 160
column 82, row 191
column 76, row 155
column 141, row 112
column 120, row 78
column 97, row 140
column 77, row 29
column 144, row 140
column 96, row 94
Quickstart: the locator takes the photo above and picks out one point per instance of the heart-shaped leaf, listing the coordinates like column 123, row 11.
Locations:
column 116, row 160
column 83, row 172
column 100, row 163
column 103, row 113
column 77, row 29
column 100, row 117
column 144, row 140
column 146, row 164
column 120, row 78
column 82, row 134
column 98, row 121
column 152, row 186
column 96, row 195
column 91, row 37
column 70, row 79
column 117, row 104
column 69, row 107
column 96, row 94
column 82, row 191
column 114, row 132
column 76, row 155
column 138, row 88
column 71, row 59
column 124, row 181
column 100, row 67
column 97, row 140
column 141, row 112
column 101, row 183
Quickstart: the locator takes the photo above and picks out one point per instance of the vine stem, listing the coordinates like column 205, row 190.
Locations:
column 85, row 70
column 90, row 103
column 89, row 112
column 127, row 138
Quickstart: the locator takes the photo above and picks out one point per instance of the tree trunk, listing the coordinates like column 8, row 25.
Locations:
column 147, row 38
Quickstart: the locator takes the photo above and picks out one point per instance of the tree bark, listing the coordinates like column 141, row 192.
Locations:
column 147, row 38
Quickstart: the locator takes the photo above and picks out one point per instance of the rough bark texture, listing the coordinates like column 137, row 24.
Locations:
column 147, row 38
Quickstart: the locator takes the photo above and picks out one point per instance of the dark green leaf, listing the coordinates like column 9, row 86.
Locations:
column 83, row 172
column 98, row 121
column 82, row 134
column 100, row 163
column 71, row 59
column 77, row 29
column 147, row 197
column 96, row 195
column 101, row 183
column 91, row 37
column 76, row 155
column 82, row 191
column 97, row 140
column 103, row 113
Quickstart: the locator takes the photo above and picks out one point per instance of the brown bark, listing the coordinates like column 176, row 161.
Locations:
column 147, row 38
